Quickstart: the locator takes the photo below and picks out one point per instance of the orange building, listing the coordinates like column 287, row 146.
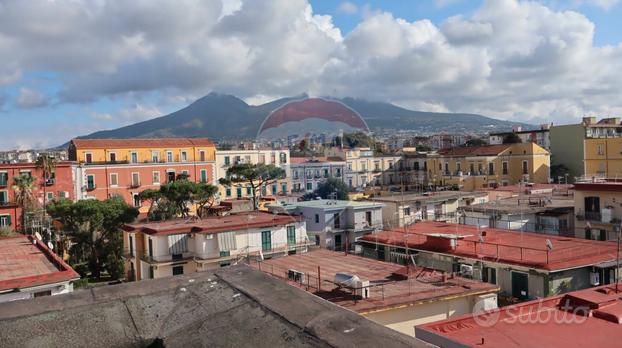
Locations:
column 126, row 167
column 58, row 186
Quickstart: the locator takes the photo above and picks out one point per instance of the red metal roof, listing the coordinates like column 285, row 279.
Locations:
column 512, row 247
column 422, row 285
column 139, row 143
column 488, row 150
column 213, row 224
column 25, row 264
column 585, row 318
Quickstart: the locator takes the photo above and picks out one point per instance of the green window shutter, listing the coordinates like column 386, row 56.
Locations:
column 291, row 235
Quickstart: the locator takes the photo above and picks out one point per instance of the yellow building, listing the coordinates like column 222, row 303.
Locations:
column 133, row 151
column 603, row 156
column 598, row 209
column 472, row 168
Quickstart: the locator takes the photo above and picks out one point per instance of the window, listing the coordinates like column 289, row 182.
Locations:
column 4, row 197
column 325, row 173
column 136, row 199
column 273, row 158
column 63, row 194
column 406, row 211
column 5, row 220
column 131, row 245
column 155, row 156
column 113, row 157
column 185, row 173
column 284, row 187
column 90, row 182
column 88, row 158
column 155, row 177
column 525, row 168
column 338, row 172
column 283, row 158
column 43, row 293
column 600, row 150
column 134, row 157
column 204, row 176
column 291, row 235
column 471, row 168
column 202, row 156
column 4, row 178
column 228, row 191
column 169, row 156
column 446, row 168
column 317, row 218
column 227, row 160
column 238, row 191
column 504, row 168
column 170, row 176
column 336, row 220
column 491, row 168
column 458, row 167
column 151, row 248
column 249, row 190
column 50, row 196
column 274, row 189
column 178, row 270
column 184, row 156
column 266, row 241
column 237, row 160
column 368, row 218
column 25, row 173
column 264, row 191
column 114, row 179
column 262, row 159
column 135, row 180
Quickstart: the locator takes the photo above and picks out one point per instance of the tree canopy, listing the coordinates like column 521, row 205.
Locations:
column 255, row 175
column 95, row 229
column 512, row 138
column 476, row 142
column 332, row 188
column 173, row 199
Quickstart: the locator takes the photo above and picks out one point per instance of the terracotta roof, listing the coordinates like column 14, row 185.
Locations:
column 139, row 143
column 402, row 285
column 213, row 224
column 25, row 264
column 585, row 318
column 488, row 150
column 503, row 246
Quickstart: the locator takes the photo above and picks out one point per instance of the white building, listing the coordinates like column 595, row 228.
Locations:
column 228, row 158
column 540, row 136
column 308, row 173
column 160, row 249
column 335, row 224
column 29, row 269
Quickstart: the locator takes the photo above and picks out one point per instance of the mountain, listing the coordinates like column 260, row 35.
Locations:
column 222, row 117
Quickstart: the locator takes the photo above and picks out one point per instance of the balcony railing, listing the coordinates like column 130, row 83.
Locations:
column 7, row 204
column 50, row 181
column 135, row 185
column 91, row 187
column 593, row 216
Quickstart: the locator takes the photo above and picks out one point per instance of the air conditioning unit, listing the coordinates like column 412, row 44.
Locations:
column 466, row 270
column 296, row 276
column 363, row 288
column 594, row 278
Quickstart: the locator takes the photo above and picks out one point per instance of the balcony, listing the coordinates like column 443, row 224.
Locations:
column 8, row 204
column 593, row 216
column 135, row 185
column 91, row 187
column 50, row 181
column 106, row 162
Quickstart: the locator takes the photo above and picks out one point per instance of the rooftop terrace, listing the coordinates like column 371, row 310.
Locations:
column 504, row 246
column 24, row 264
column 392, row 285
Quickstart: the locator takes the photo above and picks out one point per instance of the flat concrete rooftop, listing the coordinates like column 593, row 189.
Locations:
column 233, row 307
column 389, row 288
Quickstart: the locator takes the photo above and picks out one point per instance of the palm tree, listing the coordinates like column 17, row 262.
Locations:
column 47, row 164
column 24, row 197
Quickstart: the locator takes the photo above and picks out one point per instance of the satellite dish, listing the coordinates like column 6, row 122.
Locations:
column 38, row 236
column 50, row 245
column 549, row 244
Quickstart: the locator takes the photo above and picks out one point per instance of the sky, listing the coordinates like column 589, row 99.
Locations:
column 71, row 67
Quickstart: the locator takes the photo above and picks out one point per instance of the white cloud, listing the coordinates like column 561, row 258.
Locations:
column 604, row 4
column 511, row 59
column 30, row 98
column 348, row 7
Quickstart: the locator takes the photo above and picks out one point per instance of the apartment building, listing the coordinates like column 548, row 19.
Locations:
column 546, row 214
column 405, row 209
column 336, row 224
column 29, row 269
column 363, row 168
column 590, row 148
column 471, row 168
column 162, row 249
column 58, row 186
column 126, row 167
column 540, row 136
column 227, row 158
column 598, row 206
column 308, row 173
column 524, row 265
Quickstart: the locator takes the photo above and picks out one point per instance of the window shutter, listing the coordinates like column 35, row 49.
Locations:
column 178, row 243
column 226, row 241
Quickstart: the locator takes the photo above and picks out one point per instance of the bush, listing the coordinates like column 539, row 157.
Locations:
column 6, row 231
